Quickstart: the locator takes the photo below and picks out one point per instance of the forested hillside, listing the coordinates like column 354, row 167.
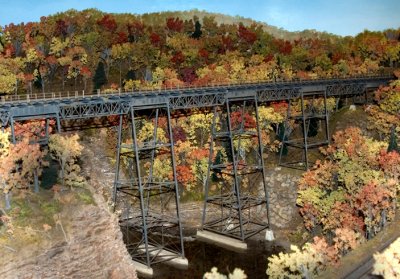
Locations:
column 90, row 49
column 347, row 198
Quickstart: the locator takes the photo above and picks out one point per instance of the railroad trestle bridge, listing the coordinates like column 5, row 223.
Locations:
column 231, row 212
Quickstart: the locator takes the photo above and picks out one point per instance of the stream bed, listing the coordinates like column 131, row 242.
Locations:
column 204, row 256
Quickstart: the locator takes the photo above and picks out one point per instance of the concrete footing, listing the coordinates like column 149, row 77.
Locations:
column 143, row 270
column 175, row 261
column 269, row 235
column 222, row 241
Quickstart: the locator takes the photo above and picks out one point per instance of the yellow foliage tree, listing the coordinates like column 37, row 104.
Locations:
column 387, row 263
column 8, row 79
column 146, row 133
column 64, row 149
column 198, row 127
column 4, row 143
column 214, row 274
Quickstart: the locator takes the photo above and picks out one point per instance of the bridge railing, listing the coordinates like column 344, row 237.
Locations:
column 168, row 89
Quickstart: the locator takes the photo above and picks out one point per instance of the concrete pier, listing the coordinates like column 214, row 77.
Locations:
column 175, row 261
column 143, row 270
column 221, row 240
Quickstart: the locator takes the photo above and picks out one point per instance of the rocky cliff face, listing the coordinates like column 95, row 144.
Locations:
column 93, row 249
column 92, row 246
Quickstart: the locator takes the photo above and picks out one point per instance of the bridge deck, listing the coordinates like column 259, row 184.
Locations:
column 77, row 105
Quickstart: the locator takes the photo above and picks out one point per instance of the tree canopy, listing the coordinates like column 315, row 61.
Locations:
column 65, row 50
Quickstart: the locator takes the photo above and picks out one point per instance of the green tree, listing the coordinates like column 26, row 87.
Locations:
column 99, row 78
column 197, row 30
column 393, row 146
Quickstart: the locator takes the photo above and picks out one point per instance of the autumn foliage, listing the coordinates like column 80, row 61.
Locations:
column 63, row 51
column 387, row 262
column 385, row 115
column 21, row 165
column 310, row 260
column 355, row 188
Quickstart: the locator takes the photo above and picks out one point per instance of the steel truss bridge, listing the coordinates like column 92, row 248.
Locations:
column 149, row 202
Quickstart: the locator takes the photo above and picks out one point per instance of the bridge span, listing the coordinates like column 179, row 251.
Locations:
column 235, row 191
column 78, row 105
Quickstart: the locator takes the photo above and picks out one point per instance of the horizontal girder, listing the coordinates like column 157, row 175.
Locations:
column 75, row 106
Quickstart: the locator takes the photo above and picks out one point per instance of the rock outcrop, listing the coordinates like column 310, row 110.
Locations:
column 93, row 249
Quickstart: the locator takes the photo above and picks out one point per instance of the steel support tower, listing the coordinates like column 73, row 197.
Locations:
column 236, row 189
column 309, row 116
column 148, row 203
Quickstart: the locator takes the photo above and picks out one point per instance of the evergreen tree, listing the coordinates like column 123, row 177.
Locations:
column 216, row 172
column 313, row 126
column 130, row 75
column 99, row 78
column 197, row 30
column 393, row 146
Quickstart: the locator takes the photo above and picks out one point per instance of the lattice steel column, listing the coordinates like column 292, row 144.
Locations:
column 148, row 200
column 309, row 115
column 236, row 191
column 4, row 117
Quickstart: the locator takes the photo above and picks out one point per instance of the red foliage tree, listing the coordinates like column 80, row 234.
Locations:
column 174, row 24
column 184, row 174
column 178, row 58
column 336, row 56
column 268, row 58
column 108, row 23
column 390, row 163
column 227, row 44
column 248, row 121
column 121, row 37
column 188, row 75
column 199, row 154
column 343, row 215
column 204, row 53
column 32, row 129
column 179, row 134
column 136, row 30
column 284, row 47
column 155, row 39
column 61, row 29
column 280, row 107
column 246, row 35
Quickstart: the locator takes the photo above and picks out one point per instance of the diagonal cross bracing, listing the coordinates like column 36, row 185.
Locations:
column 97, row 105
column 4, row 117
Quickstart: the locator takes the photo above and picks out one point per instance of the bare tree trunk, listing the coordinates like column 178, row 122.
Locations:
column 36, row 181
column 62, row 174
column 8, row 200
column 120, row 75
column 63, row 80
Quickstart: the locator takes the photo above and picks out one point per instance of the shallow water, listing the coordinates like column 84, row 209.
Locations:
column 204, row 256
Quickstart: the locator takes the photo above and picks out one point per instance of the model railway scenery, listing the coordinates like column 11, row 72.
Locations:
column 200, row 139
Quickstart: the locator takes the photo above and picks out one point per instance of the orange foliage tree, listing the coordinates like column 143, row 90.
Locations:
column 355, row 188
column 21, row 164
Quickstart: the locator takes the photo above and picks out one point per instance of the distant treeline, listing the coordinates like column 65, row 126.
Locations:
column 90, row 50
